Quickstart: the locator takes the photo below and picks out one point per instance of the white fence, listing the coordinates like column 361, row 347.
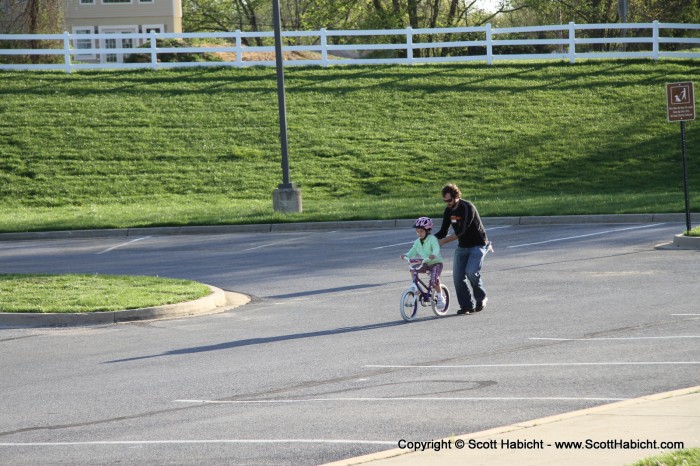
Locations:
column 652, row 40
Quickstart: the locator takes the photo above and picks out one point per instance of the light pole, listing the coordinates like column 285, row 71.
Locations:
column 287, row 197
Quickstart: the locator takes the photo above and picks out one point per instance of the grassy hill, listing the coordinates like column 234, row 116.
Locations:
column 201, row 146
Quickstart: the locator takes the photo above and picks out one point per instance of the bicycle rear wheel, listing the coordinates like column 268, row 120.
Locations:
column 409, row 305
column 440, row 311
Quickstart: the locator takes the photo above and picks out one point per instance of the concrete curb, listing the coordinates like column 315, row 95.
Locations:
column 218, row 301
column 397, row 452
column 686, row 242
column 326, row 226
column 681, row 243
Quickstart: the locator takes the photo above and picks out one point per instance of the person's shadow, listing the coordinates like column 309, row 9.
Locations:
column 264, row 340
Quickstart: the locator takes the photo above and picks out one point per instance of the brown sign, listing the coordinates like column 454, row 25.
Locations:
column 680, row 101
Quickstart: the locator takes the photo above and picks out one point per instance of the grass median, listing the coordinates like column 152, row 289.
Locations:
column 694, row 232
column 45, row 293
column 117, row 149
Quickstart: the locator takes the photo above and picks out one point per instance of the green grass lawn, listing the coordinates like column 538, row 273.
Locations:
column 686, row 457
column 42, row 293
column 105, row 149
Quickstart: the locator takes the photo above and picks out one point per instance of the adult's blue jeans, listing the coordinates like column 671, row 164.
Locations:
column 466, row 272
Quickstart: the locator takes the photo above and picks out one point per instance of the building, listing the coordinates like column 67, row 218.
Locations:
column 102, row 17
column 119, row 17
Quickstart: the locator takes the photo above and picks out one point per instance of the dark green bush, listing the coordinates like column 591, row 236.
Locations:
column 171, row 57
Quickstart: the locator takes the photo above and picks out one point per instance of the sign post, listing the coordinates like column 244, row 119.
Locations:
column 680, row 106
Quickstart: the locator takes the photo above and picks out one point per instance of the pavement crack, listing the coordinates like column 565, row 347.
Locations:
column 95, row 423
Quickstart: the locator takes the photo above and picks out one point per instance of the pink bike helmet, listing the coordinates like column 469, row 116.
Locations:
column 424, row 222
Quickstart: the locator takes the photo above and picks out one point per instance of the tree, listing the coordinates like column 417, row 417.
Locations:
column 329, row 14
column 419, row 14
column 669, row 11
column 35, row 17
column 256, row 15
column 616, row 11
column 608, row 12
column 225, row 15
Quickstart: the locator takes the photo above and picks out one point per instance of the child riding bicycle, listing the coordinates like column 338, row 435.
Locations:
column 428, row 248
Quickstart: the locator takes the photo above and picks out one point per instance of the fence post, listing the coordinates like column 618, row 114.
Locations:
column 154, row 52
column 489, row 45
column 655, row 44
column 324, row 48
column 66, row 51
column 572, row 42
column 409, row 45
column 239, row 49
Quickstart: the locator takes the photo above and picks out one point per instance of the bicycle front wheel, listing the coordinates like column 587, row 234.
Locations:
column 440, row 311
column 409, row 305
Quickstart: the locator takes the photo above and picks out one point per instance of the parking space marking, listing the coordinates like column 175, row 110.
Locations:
column 272, row 244
column 411, row 242
column 584, row 236
column 186, row 442
column 544, row 364
column 123, row 244
column 403, row 398
column 392, row 245
column 289, row 240
column 618, row 338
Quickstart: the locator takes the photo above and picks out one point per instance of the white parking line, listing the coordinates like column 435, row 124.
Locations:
column 392, row 245
column 584, row 236
column 271, row 244
column 552, row 364
column 123, row 244
column 402, row 399
column 618, row 338
column 184, row 442
column 411, row 242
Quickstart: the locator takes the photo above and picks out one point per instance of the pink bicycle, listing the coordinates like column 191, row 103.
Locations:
column 421, row 293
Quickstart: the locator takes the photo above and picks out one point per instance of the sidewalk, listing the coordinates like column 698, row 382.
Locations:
column 639, row 425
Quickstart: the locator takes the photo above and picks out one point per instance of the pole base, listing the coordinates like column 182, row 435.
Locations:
column 287, row 200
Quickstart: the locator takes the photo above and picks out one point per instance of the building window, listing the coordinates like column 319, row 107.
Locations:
column 83, row 44
column 157, row 28
column 145, row 1
column 116, row 40
column 87, row 2
column 115, row 1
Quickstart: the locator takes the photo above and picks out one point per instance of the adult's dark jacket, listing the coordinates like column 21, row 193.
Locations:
column 466, row 224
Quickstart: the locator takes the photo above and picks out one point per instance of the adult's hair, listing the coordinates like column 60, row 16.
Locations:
column 452, row 190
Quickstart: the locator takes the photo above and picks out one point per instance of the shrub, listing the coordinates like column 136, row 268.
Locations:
column 170, row 57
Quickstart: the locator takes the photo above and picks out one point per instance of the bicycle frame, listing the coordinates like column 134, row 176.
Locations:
column 420, row 292
column 423, row 290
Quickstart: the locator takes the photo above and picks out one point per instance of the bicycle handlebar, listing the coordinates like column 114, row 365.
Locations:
column 415, row 263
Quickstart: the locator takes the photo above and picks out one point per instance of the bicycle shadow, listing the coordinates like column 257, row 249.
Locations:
column 324, row 291
column 265, row 340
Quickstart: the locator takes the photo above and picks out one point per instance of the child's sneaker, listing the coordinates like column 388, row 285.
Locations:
column 440, row 301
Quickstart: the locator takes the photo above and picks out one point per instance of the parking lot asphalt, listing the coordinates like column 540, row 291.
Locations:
column 323, row 330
